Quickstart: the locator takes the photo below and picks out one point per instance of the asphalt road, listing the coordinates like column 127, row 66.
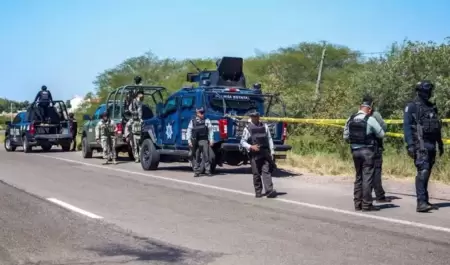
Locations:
column 128, row 216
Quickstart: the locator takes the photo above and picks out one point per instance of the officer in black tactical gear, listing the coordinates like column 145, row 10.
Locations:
column 257, row 140
column 44, row 98
column 422, row 130
column 200, row 137
column 74, row 130
column 361, row 131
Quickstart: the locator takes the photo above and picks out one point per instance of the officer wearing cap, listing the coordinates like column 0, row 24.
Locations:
column 361, row 131
column 257, row 140
column 422, row 130
column 44, row 98
column 200, row 138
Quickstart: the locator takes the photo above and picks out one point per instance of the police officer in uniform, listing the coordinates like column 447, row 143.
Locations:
column 361, row 131
column 380, row 194
column 257, row 140
column 422, row 130
column 105, row 135
column 74, row 130
column 45, row 98
column 134, row 124
column 200, row 137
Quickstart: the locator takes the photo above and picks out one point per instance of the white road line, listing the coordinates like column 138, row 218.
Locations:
column 73, row 208
column 304, row 204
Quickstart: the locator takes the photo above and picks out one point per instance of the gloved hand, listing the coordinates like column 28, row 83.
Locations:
column 441, row 149
column 411, row 151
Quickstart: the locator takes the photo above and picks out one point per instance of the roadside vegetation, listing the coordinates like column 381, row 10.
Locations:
column 347, row 75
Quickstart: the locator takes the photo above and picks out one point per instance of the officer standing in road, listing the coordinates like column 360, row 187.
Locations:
column 45, row 98
column 422, row 130
column 134, row 124
column 257, row 140
column 380, row 194
column 361, row 131
column 74, row 130
column 200, row 136
column 105, row 135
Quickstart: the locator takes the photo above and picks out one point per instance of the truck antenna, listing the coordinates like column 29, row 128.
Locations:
column 196, row 67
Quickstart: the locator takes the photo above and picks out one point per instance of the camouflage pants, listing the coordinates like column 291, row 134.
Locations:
column 134, row 143
column 109, row 147
column 128, row 128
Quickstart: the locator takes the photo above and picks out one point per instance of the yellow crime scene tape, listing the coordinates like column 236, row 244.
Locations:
column 334, row 123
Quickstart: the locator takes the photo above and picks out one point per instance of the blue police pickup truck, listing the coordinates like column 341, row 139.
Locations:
column 224, row 96
column 30, row 129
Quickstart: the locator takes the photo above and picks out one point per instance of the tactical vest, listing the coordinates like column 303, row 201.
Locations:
column 44, row 97
column 259, row 135
column 106, row 130
column 427, row 117
column 358, row 131
column 199, row 130
column 136, row 127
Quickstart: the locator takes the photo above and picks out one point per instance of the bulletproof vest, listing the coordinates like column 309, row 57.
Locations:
column 136, row 127
column 106, row 129
column 427, row 117
column 44, row 97
column 358, row 131
column 259, row 135
column 199, row 130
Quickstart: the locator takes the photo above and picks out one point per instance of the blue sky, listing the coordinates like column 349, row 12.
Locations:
column 64, row 44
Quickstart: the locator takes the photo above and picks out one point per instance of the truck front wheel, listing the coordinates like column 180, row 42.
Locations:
column 149, row 155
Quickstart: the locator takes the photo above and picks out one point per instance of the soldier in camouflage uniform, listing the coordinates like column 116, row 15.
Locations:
column 105, row 135
column 133, row 126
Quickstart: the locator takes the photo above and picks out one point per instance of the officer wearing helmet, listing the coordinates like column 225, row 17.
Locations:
column 133, row 125
column 105, row 135
column 422, row 131
column 44, row 98
column 362, row 131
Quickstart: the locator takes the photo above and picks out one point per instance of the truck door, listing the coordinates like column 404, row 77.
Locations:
column 170, row 121
column 93, row 123
column 187, row 111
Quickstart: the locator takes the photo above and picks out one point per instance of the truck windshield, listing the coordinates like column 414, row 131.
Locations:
column 236, row 103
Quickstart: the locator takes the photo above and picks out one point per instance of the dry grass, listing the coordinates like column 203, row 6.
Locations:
column 2, row 138
column 395, row 165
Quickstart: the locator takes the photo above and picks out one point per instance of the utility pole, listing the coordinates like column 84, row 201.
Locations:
column 319, row 76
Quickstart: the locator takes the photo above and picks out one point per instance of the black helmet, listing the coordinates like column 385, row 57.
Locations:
column 104, row 114
column 137, row 80
column 70, row 115
column 424, row 89
column 44, row 87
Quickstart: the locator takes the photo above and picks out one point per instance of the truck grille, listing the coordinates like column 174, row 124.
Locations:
column 238, row 128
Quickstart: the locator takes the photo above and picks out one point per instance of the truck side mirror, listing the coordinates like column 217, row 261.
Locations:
column 86, row 117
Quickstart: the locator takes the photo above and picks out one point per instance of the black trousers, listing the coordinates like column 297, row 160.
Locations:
column 43, row 106
column 261, row 170
column 424, row 161
column 377, row 183
column 364, row 161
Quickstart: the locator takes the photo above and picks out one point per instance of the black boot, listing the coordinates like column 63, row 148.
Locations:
column 424, row 207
